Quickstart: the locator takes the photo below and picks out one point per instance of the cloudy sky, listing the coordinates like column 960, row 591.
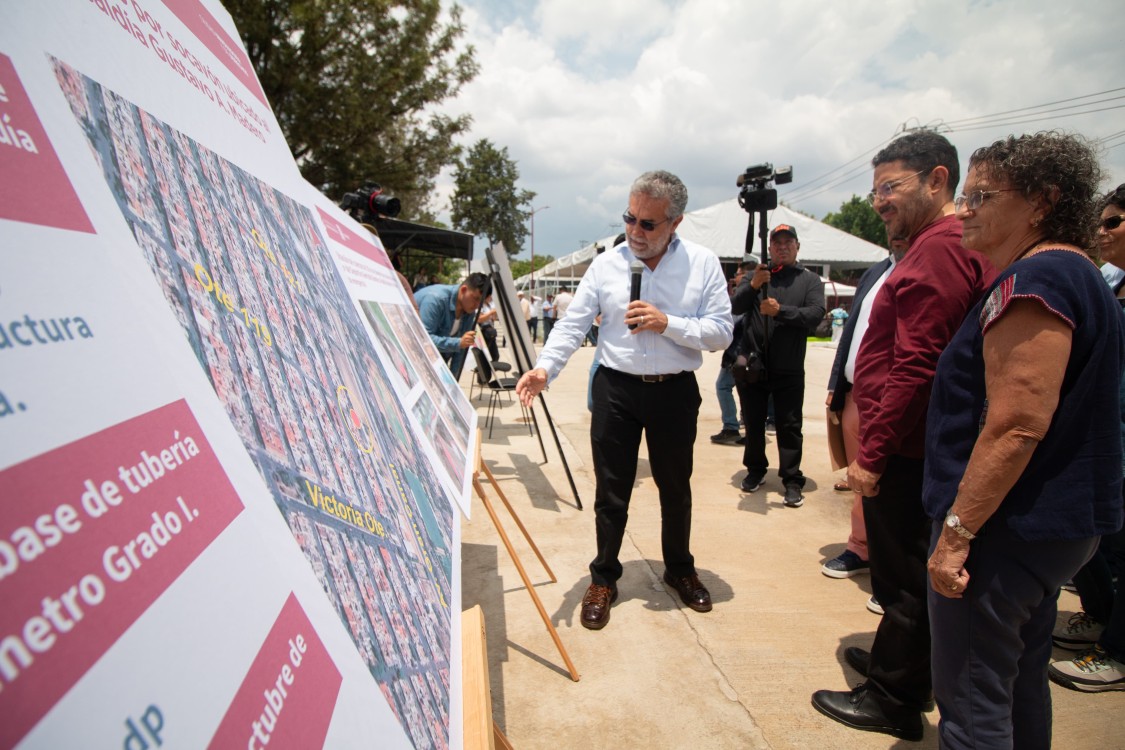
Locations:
column 587, row 95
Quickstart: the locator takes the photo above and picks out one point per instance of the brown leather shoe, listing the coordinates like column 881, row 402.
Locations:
column 595, row 606
column 691, row 590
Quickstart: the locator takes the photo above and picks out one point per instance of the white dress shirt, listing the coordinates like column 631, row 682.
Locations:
column 688, row 286
column 863, row 320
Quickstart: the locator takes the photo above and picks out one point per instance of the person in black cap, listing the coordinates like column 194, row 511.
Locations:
column 779, row 319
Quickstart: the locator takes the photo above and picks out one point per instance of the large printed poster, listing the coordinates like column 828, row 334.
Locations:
column 319, row 445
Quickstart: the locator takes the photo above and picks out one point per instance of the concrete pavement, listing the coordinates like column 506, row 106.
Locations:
column 660, row 675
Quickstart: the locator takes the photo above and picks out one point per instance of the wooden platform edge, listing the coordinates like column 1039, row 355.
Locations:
column 476, row 692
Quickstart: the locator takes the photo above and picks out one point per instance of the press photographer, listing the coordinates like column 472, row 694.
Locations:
column 782, row 302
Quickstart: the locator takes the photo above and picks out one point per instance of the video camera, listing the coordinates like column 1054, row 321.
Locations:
column 754, row 195
column 368, row 203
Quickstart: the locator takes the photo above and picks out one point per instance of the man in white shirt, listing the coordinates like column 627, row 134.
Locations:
column 525, row 309
column 536, row 314
column 562, row 302
column 649, row 349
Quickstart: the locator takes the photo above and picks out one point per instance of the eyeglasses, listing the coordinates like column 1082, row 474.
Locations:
column 976, row 199
column 1113, row 222
column 646, row 224
column 887, row 189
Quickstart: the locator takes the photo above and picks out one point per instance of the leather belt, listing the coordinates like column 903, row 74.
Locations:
column 651, row 378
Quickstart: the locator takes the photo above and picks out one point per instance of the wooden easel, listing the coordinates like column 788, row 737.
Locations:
column 478, row 465
column 476, row 691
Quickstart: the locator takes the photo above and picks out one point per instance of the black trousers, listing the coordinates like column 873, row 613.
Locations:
column 898, row 543
column 666, row 413
column 788, row 393
column 489, row 332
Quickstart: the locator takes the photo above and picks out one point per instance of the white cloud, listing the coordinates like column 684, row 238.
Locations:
column 599, row 28
column 587, row 95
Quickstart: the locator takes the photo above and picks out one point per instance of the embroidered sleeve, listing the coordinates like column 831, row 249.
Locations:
column 1025, row 285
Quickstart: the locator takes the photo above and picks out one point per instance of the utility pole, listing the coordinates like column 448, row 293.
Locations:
column 533, row 212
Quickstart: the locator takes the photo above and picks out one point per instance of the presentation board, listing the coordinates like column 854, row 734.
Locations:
column 231, row 460
column 495, row 263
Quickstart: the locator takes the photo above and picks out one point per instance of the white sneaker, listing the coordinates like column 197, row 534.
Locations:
column 1091, row 672
column 1080, row 633
column 874, row 606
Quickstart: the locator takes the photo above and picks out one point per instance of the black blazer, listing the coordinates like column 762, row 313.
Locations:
column 837, row 383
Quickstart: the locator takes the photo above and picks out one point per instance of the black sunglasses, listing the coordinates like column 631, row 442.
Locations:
column 646, row 224
column 1113, row 222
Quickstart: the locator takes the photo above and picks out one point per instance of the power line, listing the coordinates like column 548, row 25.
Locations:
column 1034, row 118
column 809, row 189
column 1104, row 141
column 845, row 178
column 1035, row 113
column 813, row 183
column 1037, row 106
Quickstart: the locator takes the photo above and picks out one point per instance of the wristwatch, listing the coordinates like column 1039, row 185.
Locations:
column 953, row 522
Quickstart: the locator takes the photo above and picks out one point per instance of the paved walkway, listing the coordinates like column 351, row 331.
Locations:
column 660, row 675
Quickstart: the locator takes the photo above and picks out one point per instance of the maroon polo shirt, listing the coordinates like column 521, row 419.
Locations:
column 913, row 317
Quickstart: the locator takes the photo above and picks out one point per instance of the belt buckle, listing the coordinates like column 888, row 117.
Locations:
column 651, row 378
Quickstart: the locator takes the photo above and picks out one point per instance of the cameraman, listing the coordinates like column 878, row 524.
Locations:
column 777, row 326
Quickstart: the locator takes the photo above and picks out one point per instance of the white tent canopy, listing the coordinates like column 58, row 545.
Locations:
column 834, row 290
column 722, row 228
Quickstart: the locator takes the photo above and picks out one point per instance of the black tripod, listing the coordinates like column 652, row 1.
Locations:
column 760, row 205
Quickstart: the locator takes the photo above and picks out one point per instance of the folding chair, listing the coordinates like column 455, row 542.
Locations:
column 496, row 386
column 479, row 382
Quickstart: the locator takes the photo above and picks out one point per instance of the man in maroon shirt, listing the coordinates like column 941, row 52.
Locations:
column 913, row 317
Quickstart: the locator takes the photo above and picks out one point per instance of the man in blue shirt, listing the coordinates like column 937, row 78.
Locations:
column 449, row 315
column 649, row 349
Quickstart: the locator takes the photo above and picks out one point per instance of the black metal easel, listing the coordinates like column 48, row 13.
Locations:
column 527, row 363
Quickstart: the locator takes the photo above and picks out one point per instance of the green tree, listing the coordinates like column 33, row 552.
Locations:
column 857, row 217
column 486, row 201
column 523, row 267
column 352, row 83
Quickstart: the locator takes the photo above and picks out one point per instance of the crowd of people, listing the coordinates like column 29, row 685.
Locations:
column 978, row 385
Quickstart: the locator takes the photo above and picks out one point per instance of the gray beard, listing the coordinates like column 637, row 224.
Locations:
column 647, row 253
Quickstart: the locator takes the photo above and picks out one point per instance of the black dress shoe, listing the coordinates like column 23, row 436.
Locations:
column 860, row 660
column 862, row 709
column 691, row 590
column 595, row 606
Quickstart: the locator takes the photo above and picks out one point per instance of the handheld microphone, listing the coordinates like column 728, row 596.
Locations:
column 636, row 268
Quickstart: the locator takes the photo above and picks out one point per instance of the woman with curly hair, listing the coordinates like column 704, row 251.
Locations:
column 1023, row 446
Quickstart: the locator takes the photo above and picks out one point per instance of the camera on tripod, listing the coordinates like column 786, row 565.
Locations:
column 368, row 203
column 754, row 194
